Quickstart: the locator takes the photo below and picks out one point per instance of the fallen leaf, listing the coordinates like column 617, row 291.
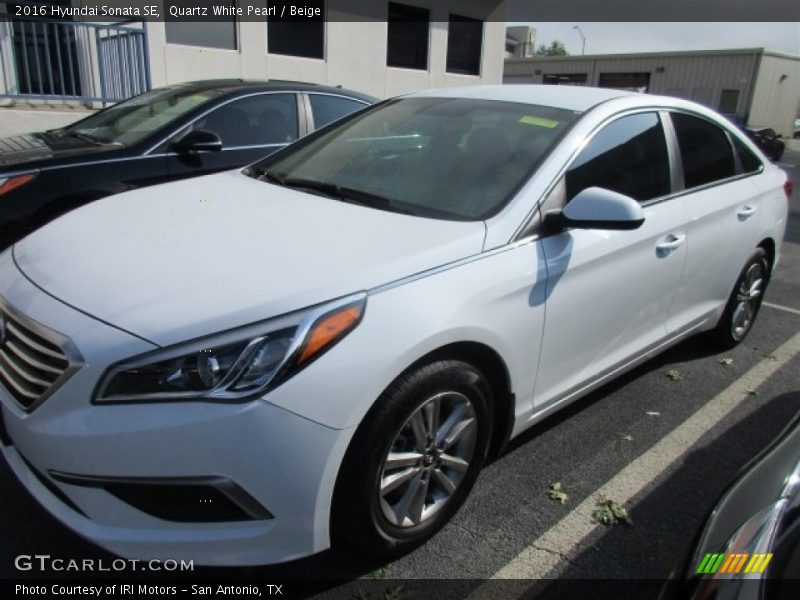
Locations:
column 674, row 375
column 609, row 512
column 557, row 493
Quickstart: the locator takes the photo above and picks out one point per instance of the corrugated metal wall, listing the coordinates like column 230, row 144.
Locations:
column 776, row 100
column 696, row 76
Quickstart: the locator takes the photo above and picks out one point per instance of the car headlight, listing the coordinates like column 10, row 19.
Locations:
column 235, row 365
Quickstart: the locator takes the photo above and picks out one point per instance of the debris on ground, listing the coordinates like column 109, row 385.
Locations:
column 627, row 438
column 609, row 512
column 653, row 413
column 752, row 392
column 726, row 362
column 557, row 493
column 773, row 357
column 674, row 375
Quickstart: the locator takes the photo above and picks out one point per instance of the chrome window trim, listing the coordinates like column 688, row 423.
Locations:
column 215, row 107
column 658, row 109
column 71, row 353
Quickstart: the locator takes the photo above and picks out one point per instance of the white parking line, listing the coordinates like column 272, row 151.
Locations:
column 788, row 309
column 552, row 549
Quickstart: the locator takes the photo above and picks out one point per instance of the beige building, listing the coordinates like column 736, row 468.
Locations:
column 379, row 47
column 753, row 85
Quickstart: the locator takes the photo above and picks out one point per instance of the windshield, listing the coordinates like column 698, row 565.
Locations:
column 451, row 158
column 134, row 120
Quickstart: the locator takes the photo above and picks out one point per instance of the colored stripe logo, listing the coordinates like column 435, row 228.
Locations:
column 733, row 563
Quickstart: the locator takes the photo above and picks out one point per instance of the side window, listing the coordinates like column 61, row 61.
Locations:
column 750, row 162
column 706, row 153
column 628, row 156
column 254, row 121
column 328, row 109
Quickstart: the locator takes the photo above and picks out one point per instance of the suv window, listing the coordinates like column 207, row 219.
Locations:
column 327, row 109
column 706, row 153
column 254, row 120
column 628, row 156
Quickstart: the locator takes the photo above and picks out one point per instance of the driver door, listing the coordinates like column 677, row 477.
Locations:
column 609, row 292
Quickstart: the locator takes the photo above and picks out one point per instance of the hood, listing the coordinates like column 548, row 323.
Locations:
column 182, row 260
column 21, row 150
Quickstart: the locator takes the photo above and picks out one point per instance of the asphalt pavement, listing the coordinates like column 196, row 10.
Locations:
column 584, row 446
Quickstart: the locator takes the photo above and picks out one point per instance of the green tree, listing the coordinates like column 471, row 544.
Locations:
column 556, row 48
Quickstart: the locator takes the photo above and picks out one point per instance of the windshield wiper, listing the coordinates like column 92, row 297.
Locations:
column 331, row 190
column 88, row 137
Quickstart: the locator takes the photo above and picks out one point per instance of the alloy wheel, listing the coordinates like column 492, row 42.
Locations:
column 427, row 459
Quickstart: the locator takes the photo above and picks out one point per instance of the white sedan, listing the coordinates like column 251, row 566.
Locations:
column 247, row 367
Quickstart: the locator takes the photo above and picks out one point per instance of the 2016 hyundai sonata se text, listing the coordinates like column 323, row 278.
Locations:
column 250, row 366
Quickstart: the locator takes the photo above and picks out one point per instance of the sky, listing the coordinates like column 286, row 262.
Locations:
column 606, row 38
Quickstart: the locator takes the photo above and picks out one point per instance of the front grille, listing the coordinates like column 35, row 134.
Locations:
column 30, row 364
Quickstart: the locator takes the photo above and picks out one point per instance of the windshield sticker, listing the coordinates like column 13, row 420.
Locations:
column 539, row 122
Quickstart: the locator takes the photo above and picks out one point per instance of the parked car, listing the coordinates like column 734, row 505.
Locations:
column 770, row 142
column 323, row 348
column 169, row 133
column 749, row 545
column 796, row 130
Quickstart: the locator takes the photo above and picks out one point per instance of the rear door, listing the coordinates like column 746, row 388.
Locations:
column 723, row 204
column 608, row 292
column 251, row 127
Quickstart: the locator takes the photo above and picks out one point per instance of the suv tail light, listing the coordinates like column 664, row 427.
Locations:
column 788, row 188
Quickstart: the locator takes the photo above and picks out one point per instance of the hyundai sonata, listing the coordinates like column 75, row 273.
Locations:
column 250, row 366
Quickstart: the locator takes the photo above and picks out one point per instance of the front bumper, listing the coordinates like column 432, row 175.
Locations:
column 285, row 463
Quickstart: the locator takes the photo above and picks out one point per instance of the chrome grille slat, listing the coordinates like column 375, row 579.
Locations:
column 31, row 360
column 34, row 360
column 5, row 358
column 19, row 334
column 6, row 378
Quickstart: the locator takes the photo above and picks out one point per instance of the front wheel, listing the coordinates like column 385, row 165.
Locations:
column 744, row 302
column 414, row 459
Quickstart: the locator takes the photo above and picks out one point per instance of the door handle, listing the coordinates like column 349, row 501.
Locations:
column 746, row 211
column 672, row 242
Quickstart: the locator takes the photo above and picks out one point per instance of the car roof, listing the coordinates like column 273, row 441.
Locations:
column 255, row 85
column 570, row 97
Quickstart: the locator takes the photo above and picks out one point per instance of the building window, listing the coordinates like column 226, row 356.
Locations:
column 564, row 79
column 632, row 82
column 729, row 101
column 464, row 45
column 408, row 33
column 208, row 34
column 298, row 36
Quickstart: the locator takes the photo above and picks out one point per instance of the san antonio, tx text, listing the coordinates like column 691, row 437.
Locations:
column 127, row 589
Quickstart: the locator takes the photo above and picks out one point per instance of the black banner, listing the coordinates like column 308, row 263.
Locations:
column 373, row 10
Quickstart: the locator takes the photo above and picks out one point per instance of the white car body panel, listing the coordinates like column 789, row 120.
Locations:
column 172, row 263
column 258, row 240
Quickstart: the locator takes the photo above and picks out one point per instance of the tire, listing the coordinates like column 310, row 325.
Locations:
column 384, row 508
column 744, row 302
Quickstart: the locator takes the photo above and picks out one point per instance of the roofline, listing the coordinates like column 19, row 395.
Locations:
column 678, row 53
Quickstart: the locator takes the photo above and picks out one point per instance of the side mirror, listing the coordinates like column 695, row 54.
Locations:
column 599, row 208
column 198, row 140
